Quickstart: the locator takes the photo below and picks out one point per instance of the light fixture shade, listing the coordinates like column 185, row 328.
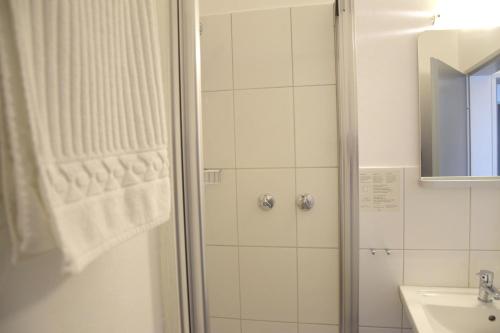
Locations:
column 467, row 14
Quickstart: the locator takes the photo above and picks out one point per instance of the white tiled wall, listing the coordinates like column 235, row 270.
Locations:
column 439, row 237
column 433, row 227
column 270, row 124
column 264, row 128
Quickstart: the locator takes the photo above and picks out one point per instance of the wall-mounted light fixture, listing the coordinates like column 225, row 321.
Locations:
column 467, row 14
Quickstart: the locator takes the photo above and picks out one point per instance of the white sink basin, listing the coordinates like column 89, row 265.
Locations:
column 449, row 310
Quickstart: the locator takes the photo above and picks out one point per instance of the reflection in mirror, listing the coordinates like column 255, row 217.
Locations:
column 459, row 80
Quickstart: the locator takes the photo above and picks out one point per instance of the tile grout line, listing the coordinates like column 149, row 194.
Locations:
column 236, row 174
column 336, row 248
column 273, row 87
column 278, row 168
column 279, row 321
column 280, row 246
column 295, row 166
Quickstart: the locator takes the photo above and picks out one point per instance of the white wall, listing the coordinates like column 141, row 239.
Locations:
column 387, row 79
column 211, row 7
column 121, row 292
column 117, row 293
column 439, row 236
column 478, row 45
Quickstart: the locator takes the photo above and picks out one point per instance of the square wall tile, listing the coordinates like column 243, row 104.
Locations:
column 436, row 268
column 252, row 326
column 319, row 284
column 435, row 218
column 224, row 325
column 216, row 53
column 218, row 130
column 313, row 37
column 485, row 221
column 406, row 321
column 380, row 276
column 489, row 260
column 223, row 281
column 264, row 128
column 274, row 227
column 317, row 328
column 220, row 211
column 319, row 227
column 262, row 49
column 316, row 126
column 268, row 283
column 382, row 229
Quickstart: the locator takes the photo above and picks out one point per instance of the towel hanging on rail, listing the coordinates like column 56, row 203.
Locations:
column 83, row 142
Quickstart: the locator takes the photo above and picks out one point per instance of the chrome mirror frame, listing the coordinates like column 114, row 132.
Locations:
column 425, row 134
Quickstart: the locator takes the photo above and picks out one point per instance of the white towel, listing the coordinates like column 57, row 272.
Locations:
column 83, row 142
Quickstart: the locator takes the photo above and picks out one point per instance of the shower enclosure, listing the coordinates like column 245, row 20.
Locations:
column 267, row 139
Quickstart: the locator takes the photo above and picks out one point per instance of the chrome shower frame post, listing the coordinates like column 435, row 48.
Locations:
column 189, row 92
column 349, row 166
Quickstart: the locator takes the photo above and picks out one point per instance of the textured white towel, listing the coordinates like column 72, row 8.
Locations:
column 83, row 142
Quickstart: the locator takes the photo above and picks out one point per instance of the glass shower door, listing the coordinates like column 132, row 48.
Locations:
column 271, row 170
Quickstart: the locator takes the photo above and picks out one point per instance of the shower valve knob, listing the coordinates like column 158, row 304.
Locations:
column 266, row 201
column 305, row 201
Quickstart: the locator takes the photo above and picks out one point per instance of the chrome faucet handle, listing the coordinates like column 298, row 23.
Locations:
column 486, row 277
column 266, row 201
column 305, row 201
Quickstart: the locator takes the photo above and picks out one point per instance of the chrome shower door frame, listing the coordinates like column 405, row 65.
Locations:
column 187, row 87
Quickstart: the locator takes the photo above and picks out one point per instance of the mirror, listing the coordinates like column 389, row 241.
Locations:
column 459, row 88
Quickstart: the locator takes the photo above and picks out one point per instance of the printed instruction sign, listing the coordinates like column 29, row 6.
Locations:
column 379, row 190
